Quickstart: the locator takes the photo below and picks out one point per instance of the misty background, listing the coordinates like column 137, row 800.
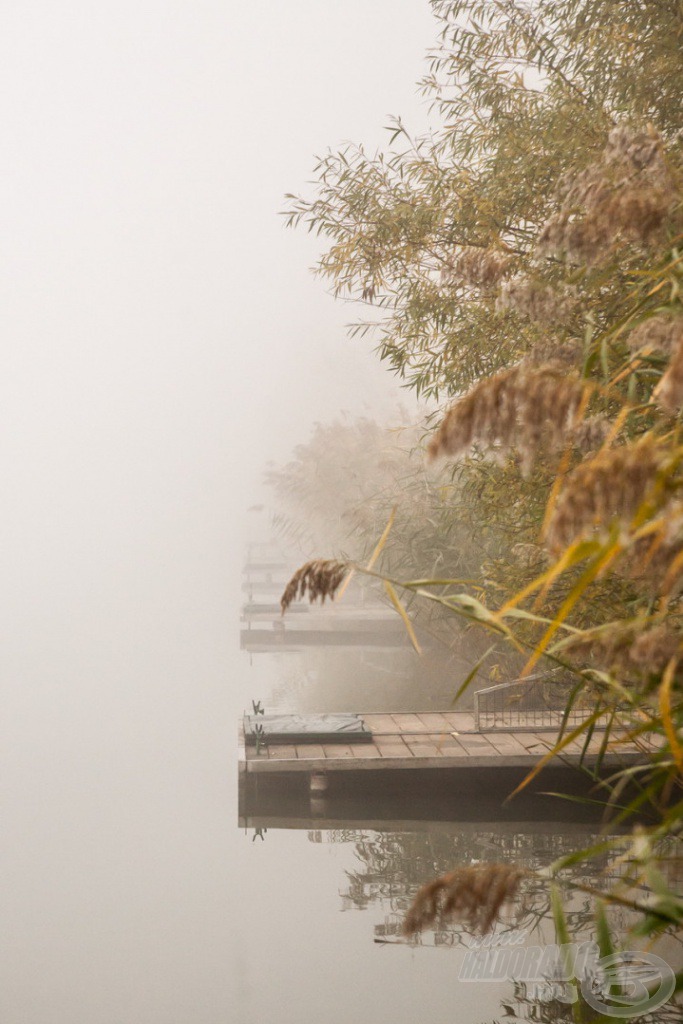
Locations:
column 162, row 340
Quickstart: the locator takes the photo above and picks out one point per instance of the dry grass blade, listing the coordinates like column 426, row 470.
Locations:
column 319, row 579
column 404, row 615
column 566, row 739
column 665, row 711
column 474, row 895
column 588, row 576
column 375, row 554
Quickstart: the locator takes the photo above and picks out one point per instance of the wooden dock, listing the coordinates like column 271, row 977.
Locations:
column 433, row 740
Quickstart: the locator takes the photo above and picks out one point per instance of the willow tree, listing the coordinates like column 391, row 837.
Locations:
column 421, row 234
column 526, row 260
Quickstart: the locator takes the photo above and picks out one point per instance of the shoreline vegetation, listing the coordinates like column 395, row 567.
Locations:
column 520, row 268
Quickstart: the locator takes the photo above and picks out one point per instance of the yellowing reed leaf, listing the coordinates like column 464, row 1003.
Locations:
column 558, row 748
column 402, row 612
column 665, row 711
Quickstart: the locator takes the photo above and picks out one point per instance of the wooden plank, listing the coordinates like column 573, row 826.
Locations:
column 422, row 747
column 394, row 750
column 451, row 745
column 477, row 744
column 506, row 743
column 468, row 761
column 409, row 723
column 329, row 764
column 308, row 750
column 393, row 739
column 449, row 748
column 336, row 751
column 459, row 720
column 389, row 746
column 380, row 723
column 436, row 722
column 285, row 751
column 531, row 742
column 363, row 750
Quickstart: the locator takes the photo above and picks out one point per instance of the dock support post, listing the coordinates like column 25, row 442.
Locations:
column 318, row 783
column 317, row 789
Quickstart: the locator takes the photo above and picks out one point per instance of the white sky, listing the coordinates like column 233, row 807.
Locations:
column 162, row 334
column 162, row 338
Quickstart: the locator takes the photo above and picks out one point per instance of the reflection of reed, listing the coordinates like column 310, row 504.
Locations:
column 394, row 865
column 474, row 894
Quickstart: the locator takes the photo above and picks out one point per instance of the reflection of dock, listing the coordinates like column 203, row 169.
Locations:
column 471, row 827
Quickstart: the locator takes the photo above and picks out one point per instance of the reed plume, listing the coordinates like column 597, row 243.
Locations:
column 525, row 407
column 319, row 578
column 610, row 487
column 474, row 895
column 566, row 353
column 656, row 560
column 669, row 392
column 590, row 434
column 661, row 333
column 477, row 268
column 632, row 649
column 641, row 148
column 536, row 300
column 628, row 193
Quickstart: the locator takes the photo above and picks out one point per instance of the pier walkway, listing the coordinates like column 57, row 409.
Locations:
column 446, row 740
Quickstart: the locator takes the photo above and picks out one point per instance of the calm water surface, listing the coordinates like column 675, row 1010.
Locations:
column 134, row 896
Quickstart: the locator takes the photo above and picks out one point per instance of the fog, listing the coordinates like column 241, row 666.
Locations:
column 162, row 339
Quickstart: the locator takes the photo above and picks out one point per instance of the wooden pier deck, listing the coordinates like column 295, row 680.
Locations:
column 445, row 740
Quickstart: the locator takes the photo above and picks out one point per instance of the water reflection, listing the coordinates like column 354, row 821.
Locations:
column 366, row 850
column 389, row 867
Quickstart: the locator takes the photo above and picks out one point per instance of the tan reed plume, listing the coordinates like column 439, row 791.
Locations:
column 669, row 392
column 474, row 895
column 656, row 559
column 628, row 193
column 524, row 407
column 550, row 350
column 319, row 578
column 610, row 487
column 630, row 649
column 590, row 434
column 478, row 268
column 535, row 299
column 661, row 333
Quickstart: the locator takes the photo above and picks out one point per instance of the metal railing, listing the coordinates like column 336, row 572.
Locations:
column 536, row 703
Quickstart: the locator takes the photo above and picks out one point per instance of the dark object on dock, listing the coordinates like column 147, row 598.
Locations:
column 332, row 728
